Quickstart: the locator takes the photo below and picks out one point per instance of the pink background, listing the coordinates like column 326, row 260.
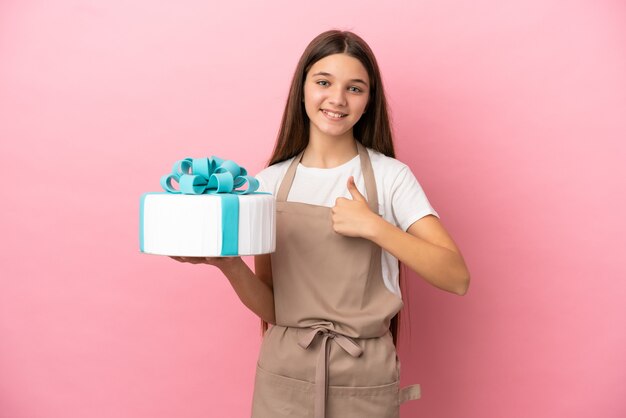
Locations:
column 512, row 115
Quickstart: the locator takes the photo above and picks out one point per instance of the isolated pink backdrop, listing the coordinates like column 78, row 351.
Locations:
column 512, row 115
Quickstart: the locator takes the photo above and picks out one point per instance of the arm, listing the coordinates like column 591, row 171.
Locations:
column 255, row 291
column 425, row 248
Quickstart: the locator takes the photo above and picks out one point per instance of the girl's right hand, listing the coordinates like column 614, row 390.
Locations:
column 219, row 262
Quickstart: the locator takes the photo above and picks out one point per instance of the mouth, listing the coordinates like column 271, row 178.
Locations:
column 334, row 115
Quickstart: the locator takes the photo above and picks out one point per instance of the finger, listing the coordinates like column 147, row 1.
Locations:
column 340, row 201
column 356, row 195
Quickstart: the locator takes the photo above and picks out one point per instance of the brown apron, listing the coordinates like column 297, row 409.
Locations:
column 330, row 354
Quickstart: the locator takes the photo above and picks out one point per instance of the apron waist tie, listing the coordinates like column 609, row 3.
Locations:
column 321, row 369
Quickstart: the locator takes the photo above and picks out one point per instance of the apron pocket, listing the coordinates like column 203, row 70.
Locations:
column 364, row 402
column 280, row 396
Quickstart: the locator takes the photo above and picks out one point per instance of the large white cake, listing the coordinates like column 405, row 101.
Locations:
column 192, row 225
column 209, row 214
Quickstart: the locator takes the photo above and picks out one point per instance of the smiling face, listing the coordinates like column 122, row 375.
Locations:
column 336, row 92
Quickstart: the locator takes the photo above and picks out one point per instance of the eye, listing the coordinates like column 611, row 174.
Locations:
column 355, row 89
column 323, row 83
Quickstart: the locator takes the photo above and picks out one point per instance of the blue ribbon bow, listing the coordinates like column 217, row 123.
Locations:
column 214, row 176
column 208, row 176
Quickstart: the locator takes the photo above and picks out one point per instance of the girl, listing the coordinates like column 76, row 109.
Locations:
column 347, row 214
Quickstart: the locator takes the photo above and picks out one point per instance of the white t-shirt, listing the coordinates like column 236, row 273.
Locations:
column 401, row 199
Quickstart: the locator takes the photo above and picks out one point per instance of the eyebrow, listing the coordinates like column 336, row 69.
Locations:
column 354, row 80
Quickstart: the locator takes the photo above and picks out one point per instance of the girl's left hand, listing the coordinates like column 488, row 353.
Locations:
column 353, row 218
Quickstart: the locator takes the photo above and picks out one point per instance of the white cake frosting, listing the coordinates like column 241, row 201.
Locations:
column 191, row 225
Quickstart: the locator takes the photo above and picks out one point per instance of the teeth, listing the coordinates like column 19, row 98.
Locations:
column 334, row 115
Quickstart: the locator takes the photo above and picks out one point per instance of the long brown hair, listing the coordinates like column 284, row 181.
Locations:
column 373, row 129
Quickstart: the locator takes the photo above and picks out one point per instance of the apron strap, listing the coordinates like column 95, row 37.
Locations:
column 409, row 393
column 368, row 177
column 285, row 185
column 321, row 370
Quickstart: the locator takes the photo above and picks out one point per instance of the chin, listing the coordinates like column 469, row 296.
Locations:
column 335, row 134
column 333, row 131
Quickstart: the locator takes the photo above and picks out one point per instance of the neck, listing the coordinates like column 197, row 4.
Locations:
column 328, row 152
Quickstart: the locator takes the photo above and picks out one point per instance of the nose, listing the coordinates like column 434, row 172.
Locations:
column 338, row 96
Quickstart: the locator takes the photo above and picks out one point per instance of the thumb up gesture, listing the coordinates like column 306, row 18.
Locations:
column 353, row 217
